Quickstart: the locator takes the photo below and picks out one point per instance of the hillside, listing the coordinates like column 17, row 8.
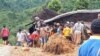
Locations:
column 17, row 13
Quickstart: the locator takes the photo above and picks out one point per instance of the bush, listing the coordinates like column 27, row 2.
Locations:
column 81, row 4
column 55, row 5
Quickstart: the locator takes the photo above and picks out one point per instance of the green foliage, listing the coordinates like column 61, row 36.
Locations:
column 81, row 4
column 68, row 5
column 94, row 4
column 55, row 5
column 17, row 13
column 19, row 5
column 11, row 15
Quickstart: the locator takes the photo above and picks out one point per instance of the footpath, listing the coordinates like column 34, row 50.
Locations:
column 5, row 50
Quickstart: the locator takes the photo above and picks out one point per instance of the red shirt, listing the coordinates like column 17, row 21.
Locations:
column 5, row 32
column 34, row 36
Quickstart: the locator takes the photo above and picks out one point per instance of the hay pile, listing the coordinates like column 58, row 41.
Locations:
column 57, row 44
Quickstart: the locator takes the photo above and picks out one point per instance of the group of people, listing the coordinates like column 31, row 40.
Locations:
column 39, row 34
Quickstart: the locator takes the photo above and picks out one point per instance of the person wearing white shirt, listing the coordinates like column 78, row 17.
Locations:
column 20, row 38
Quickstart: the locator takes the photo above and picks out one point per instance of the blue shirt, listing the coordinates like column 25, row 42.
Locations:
column 91, row 47
column 59, row 30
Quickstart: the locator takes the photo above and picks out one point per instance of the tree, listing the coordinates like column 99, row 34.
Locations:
column 55, row 5
column 12, row 15
column 81, row 4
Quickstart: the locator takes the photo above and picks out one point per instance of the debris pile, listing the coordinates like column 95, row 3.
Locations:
column 57, row 44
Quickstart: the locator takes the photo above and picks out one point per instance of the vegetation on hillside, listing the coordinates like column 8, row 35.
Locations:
column 55, row 5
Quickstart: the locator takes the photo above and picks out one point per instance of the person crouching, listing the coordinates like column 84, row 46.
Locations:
column 34, row 38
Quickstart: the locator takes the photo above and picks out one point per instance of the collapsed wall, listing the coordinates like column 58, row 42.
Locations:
column 79, row 15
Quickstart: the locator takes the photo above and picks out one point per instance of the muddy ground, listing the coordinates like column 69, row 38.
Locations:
column 38, row 52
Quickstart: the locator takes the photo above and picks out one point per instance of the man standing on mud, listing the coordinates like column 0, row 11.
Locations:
column 5, row 34
column 77, row 32
column 43, row 36
column 92, row 46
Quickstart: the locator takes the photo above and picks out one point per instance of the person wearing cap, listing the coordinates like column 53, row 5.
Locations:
column 91, row 47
